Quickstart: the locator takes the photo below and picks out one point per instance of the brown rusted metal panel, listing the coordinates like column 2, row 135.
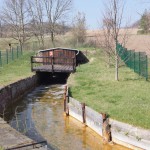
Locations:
column 53, row 60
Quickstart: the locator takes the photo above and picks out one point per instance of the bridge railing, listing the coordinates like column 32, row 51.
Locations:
column 37, row 61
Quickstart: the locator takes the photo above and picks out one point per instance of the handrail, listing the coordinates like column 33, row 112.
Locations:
column 52, row 57
column 27, row 145
column 52, row 61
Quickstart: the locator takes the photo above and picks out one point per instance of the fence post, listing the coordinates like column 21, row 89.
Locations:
column 0, row 59
column 67, row 106
column 146, row 68
column 32, row 63
column 21, row 49
column 134, row 60
column 12, row 53
column 65, row 94
column 33, row 47
column 130, row 59
column 106, row 133
column 83, row 112
column 139, row 63
column 7, row 56
column 17, row 51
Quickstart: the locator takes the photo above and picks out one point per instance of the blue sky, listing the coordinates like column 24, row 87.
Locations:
column 93, row 10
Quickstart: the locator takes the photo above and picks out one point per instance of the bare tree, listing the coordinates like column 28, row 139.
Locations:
column 112, row 21
column 36, row 12
column 79, row 28
column 1, row 27
column 15, row 15
column 56, row 11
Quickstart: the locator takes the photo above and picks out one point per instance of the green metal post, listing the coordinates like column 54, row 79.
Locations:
column 21, row 50
column 0, row 59
column 130, row 64
column 146, row 68
column 134, row 60
column 12, row 54
column 33, row 47
column 7, row 57
column 17, row 51
column 139, row 63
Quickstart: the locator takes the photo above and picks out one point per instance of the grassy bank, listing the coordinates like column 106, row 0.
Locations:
column 18, row 69
column 127, row 100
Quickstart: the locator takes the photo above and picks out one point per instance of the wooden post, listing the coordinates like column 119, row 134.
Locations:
column 66, row 108
column 106, row 129
column 52, row 64
column 31, row 63
column 65, row 94
column 83, row 112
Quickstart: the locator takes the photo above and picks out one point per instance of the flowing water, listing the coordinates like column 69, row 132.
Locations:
column 40, row 116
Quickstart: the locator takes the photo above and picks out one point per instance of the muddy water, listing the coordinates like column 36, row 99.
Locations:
column 40, row 116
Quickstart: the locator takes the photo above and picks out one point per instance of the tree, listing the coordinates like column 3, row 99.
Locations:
column 112, row 20
column 15, row 15
column 1, row 27
column 56, row 11
column 79, row 28
column 36, row 11
column 145, row 22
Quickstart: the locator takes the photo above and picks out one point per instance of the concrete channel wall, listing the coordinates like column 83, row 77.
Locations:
column 10, row 94
column 13, row 92
column 111, row 130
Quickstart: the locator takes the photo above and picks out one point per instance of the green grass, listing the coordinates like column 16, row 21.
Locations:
column 16, row 70
column 126, row 100
column 1, row 148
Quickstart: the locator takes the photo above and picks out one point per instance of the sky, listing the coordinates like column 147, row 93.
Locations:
column 93, row 10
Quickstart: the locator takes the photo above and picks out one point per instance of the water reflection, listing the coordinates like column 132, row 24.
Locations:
column 41, row 117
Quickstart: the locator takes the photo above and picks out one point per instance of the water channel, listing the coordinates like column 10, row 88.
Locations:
column 40, row 116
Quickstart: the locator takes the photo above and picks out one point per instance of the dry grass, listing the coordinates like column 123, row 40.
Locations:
column 140, row 43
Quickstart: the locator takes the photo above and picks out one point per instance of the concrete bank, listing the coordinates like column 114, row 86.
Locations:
column 9, row 137
column 111, row 130
column 13, row 92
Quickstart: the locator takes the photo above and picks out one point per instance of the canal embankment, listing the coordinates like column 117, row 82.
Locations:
column 10, row 138
column 42, row 110
column 9, row 95
column 110, row 129
column 13, row 92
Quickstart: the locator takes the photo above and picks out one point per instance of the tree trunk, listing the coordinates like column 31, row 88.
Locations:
column 52, row 38
column 116, row 66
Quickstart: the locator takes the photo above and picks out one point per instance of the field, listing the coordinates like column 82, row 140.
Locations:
column 126, row 100
column 140, row 43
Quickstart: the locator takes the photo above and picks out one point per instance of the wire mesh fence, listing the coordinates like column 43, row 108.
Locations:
column 10, row 55
column 138, row 61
